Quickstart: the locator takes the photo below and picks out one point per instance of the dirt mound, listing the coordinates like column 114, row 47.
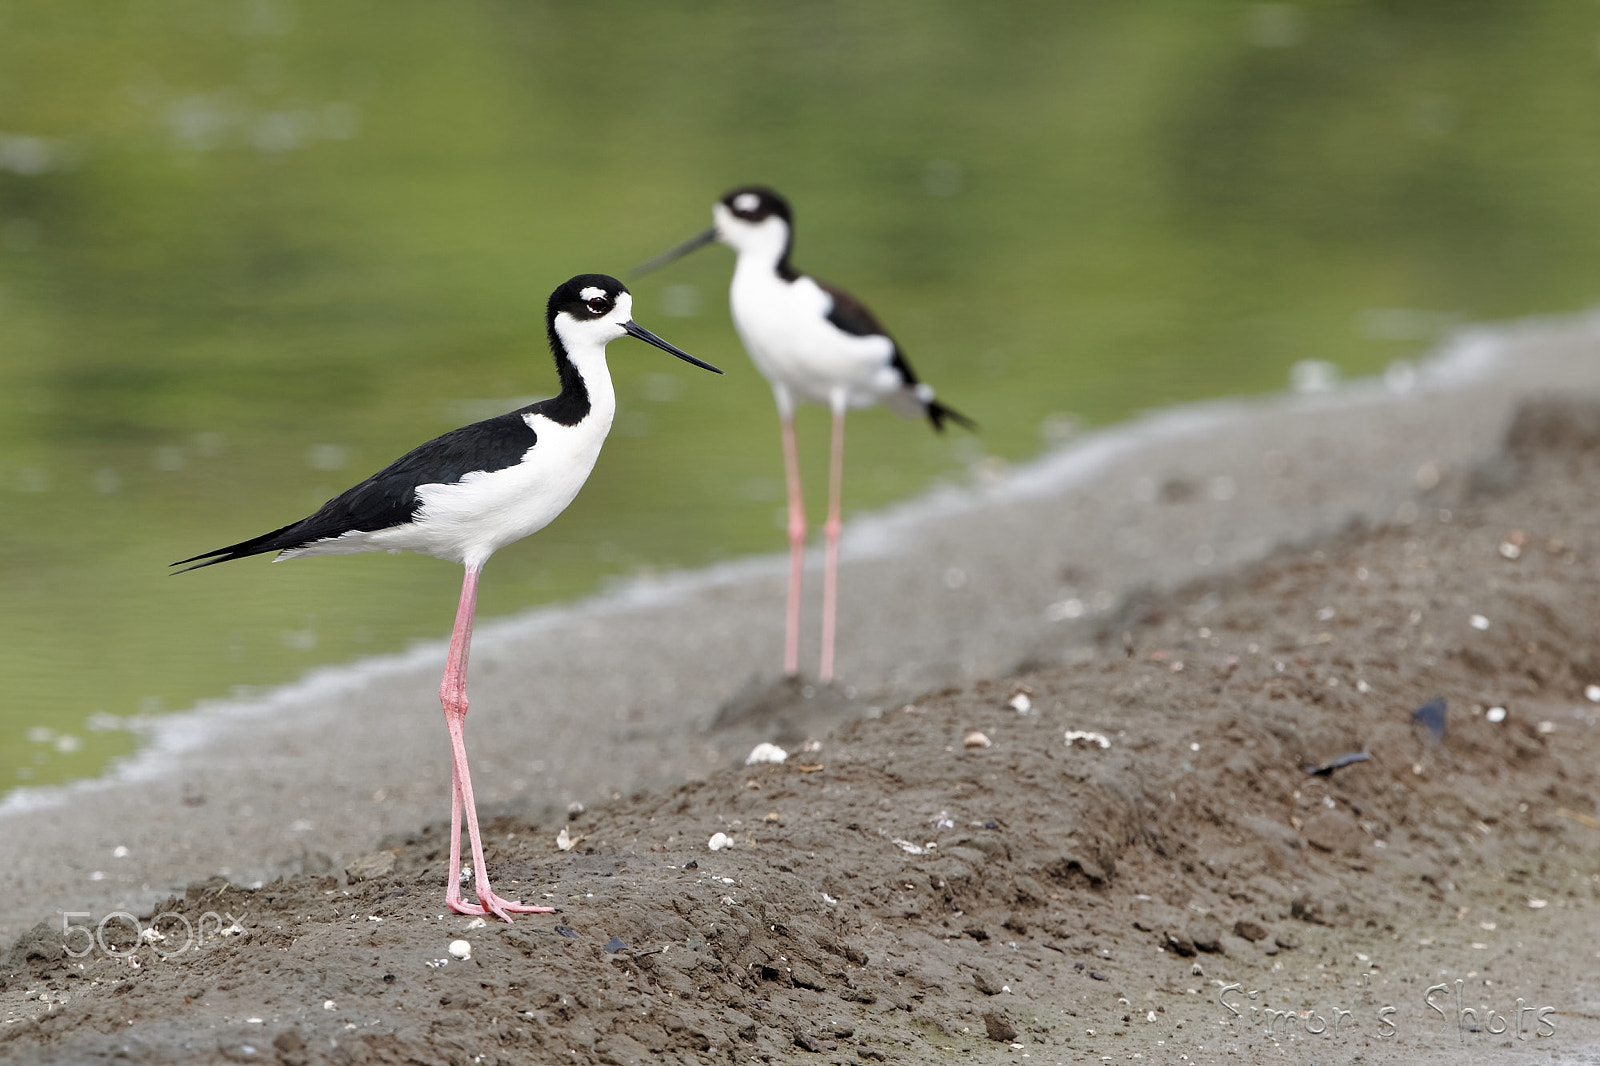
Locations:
column 1128, row 857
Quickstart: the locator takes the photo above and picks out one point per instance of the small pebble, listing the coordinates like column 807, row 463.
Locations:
column 1592, row 693
column 1547, row 727
column 975, row 740
column 1022, row 703
column 1495, row 714
column 329, row 1004
column 615, row 944
column 1538, row 904
column 460, row 949
column 719, row 841
column 765, row 753
column 1479, row 622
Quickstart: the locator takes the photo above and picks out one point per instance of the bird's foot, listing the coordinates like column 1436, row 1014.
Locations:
column 489, row 903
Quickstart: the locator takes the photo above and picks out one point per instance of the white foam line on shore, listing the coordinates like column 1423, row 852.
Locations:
column 1468, row 357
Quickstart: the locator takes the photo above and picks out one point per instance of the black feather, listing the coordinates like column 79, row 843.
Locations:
column 939, row 414
column 852, row 316
column 389, row 497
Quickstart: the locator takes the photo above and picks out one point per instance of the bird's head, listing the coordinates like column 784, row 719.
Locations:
column 753, row 218
column 592, row 310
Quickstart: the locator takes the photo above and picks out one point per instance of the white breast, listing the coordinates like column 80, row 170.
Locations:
column 469, row 521
column 784, row 326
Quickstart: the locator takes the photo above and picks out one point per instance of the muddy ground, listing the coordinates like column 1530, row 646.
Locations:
column 901, row 890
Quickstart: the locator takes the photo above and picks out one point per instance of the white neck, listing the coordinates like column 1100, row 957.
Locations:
column 589, row 360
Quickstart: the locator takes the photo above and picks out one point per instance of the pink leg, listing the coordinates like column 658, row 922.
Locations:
column 453, row 695
column 797, row 549
column 830, row 572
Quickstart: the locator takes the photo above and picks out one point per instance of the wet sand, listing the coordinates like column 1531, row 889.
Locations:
column 1065, row 576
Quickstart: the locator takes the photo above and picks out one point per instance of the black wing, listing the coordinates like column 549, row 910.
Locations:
column 852, row 316
column 389, row 497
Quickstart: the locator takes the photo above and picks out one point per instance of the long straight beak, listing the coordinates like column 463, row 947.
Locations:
column 633, row 329
column 697, row 241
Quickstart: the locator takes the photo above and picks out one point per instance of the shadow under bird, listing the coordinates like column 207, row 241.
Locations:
column 811, row 341
column 471, row 492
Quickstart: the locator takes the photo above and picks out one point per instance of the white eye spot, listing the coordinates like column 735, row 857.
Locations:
column 592, row 292
column 746, row 201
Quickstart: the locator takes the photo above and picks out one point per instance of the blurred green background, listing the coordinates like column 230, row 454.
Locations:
column 252, row 251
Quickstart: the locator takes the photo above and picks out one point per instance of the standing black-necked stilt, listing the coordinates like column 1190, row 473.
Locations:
column 812, row 342
column 465, row 495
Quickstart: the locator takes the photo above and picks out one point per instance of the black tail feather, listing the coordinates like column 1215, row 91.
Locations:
column 267, row 542
column 939, row 414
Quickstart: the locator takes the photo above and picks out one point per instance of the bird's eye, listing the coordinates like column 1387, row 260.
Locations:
column 599, row 305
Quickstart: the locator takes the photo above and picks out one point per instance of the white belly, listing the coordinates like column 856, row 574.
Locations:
column 472, row 519
column 785, row 328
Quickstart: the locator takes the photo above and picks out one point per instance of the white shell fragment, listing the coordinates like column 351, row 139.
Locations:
column 564, row 840
column 1478, row 622
column 1075, row 735
column 1022, row 703
column 1538, row 904
column 1495, row 714
column 975, row 740
column 1064, row 610
column 719, row 841
column 1592, row 693
column 765, row 753
column 910, row 848
column 460, row 949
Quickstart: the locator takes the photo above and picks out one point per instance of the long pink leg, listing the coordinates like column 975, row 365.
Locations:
column 453, row 695
column 797, row 548
column 830, row 572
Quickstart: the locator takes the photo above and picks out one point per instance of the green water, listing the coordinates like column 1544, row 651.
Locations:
column 250, row 252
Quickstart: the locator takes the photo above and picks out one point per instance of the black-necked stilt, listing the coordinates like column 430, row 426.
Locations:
column 465, row 495
column 812, row 342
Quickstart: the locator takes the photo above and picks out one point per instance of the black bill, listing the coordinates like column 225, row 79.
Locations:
column 633, row 329
column 698, row 241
